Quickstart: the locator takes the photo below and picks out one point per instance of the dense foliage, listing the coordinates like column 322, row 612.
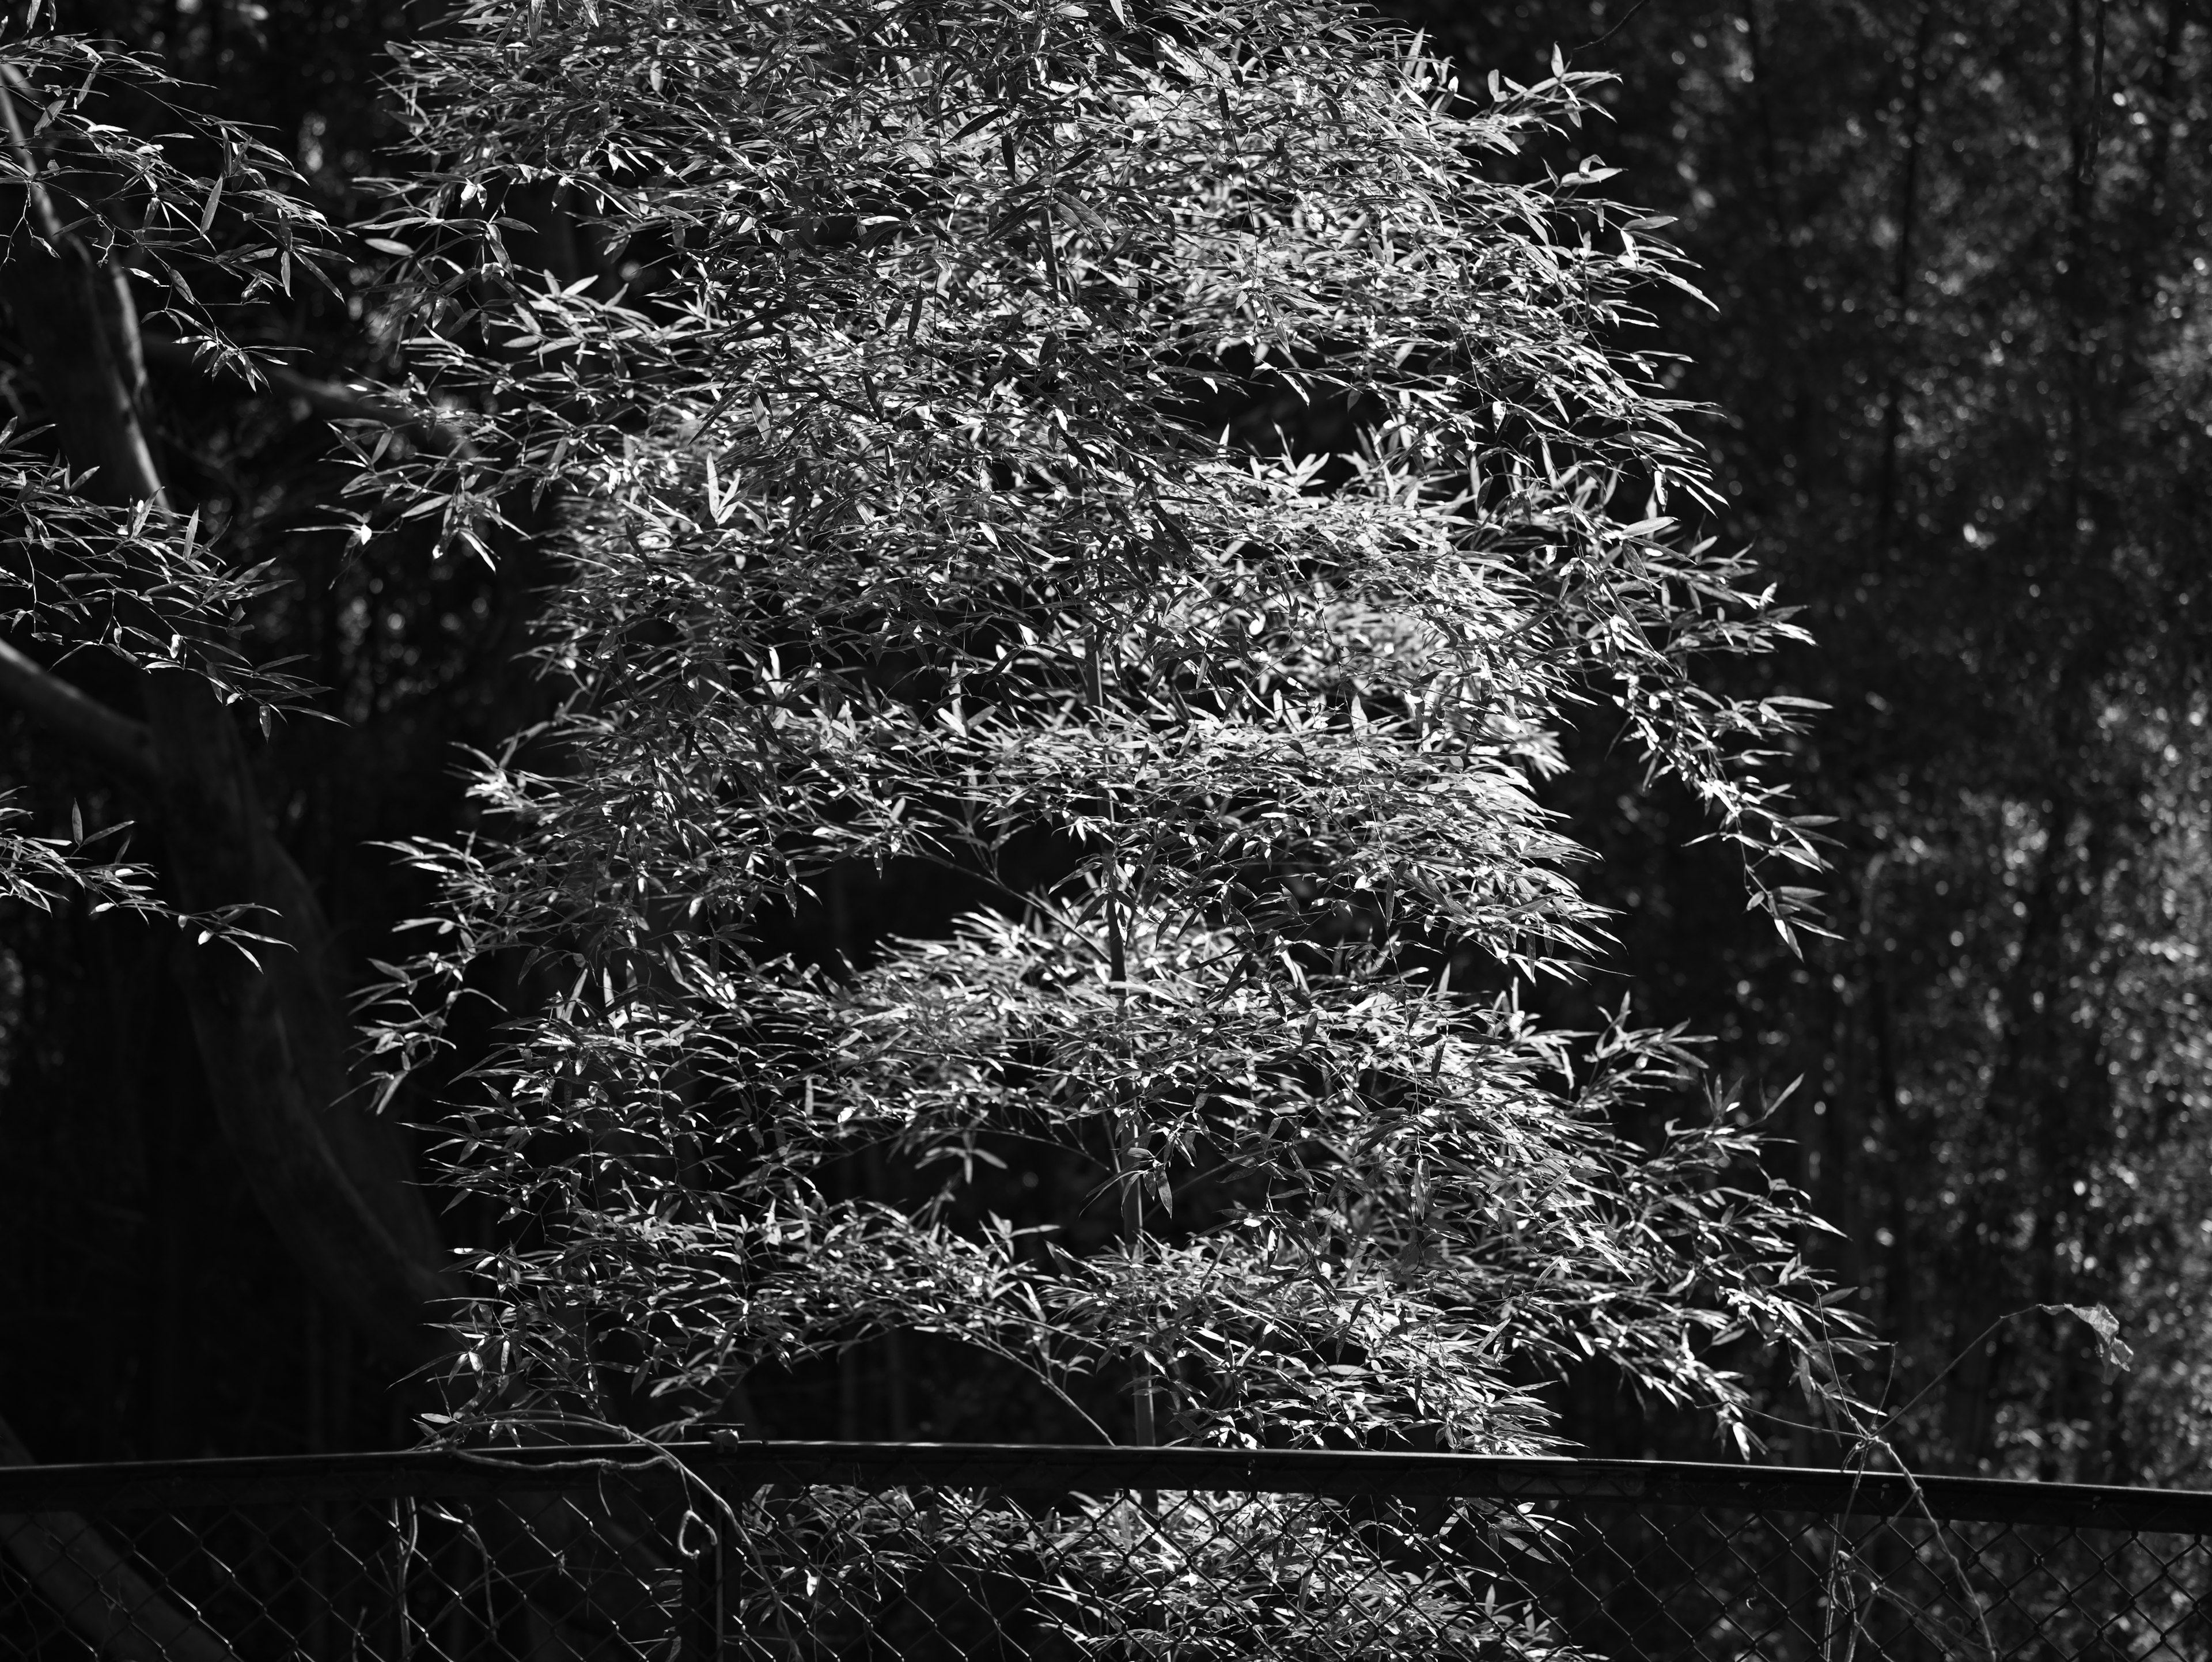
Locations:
column 903, row 531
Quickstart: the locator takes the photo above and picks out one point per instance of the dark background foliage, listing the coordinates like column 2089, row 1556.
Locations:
column 1957, row 263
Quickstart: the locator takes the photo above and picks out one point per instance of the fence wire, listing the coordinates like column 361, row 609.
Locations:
column 764, row 1552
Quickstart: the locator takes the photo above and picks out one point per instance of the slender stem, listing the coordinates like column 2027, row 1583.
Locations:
column 1129, row 1132
column 1599, row 40
column 333, row 400
column 1132, row 1228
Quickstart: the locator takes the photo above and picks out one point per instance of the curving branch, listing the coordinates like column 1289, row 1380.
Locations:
column 122, row 746
column 333, row 400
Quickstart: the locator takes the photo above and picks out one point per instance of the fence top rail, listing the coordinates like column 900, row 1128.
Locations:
column 734, row 1464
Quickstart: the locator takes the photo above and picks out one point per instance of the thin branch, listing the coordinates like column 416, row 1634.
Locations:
column 124, row 747
column 333, row 400
column 1599, row 40
column 42, row 207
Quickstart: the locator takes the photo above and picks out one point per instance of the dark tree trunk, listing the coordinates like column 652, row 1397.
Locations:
column 273, row 1032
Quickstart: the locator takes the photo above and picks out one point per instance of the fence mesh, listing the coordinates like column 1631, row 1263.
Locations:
column 806, row 1553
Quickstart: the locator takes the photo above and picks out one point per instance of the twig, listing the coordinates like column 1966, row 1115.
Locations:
column 1599, row 40
column 333, row 400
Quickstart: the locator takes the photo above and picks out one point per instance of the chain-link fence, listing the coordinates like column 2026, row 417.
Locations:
column 781, row 1552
